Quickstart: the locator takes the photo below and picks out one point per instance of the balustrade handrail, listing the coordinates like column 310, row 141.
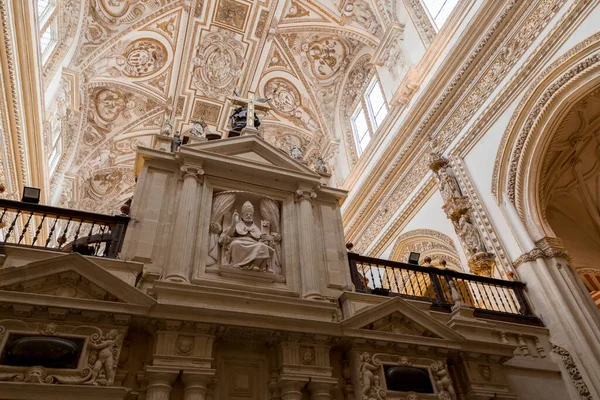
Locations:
column 444, row 288
column 432, row 269
column 62, row 229
column 63, row 213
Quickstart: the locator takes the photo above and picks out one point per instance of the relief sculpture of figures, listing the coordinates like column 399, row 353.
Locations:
column 247, row 247
column 103, row 359
column 369, row 379
column 443, row 381
column 470, row 236
column 448, row 185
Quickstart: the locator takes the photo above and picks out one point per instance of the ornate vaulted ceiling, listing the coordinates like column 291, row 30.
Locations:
column 138, row 62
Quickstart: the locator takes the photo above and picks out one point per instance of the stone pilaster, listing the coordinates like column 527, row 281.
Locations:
column 159, row 383
column 308, row 250
column 179, row 266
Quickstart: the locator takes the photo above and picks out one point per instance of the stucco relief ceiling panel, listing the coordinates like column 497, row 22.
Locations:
column 297, row 11
column 231, row 14
column 217, row 64
column 107, row 20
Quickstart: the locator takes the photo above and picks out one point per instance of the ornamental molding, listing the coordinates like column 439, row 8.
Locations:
column 573, row 370
column 550, row 8
column 398, row 156
column 553, row 90
column 420, row 18
column 546, row 248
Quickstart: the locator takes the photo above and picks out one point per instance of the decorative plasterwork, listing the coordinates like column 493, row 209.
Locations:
column 527, row 33
column 551, row 90
column 421, row 19
column 429, row 243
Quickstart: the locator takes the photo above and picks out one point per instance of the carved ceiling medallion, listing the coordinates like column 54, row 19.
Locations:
column 109, row 104
column 285, row 98
column 115, row 11
column 144, row 57
column 325, row 56
column 218, row 63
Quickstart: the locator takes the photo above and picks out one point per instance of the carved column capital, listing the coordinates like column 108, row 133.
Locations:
column 305, row 195
column 191, row 171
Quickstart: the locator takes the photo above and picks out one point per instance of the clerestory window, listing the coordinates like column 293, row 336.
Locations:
column 48, row 23
column 439, row 10
column 369, row 115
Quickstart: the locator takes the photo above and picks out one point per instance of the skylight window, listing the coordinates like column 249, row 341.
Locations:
column 440, row 10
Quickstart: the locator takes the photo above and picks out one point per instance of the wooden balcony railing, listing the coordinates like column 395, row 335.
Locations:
column 444, row 288
column 54, row 228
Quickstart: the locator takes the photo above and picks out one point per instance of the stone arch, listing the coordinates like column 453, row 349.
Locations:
column 519, row 162
column 430, row 243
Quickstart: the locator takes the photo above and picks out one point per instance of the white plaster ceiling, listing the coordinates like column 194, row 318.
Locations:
column 138, row 62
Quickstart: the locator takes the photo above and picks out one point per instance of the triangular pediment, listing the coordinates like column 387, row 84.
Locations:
column 253, row 149
column 399, row 317
column 71, row 276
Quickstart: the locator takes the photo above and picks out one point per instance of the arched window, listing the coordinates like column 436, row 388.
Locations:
column 439, row 10
column 48, row 23
column 369, row 115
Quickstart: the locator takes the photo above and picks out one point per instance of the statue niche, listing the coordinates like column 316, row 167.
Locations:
column 243, row 241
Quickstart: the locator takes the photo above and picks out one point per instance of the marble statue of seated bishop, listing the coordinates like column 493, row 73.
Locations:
column 246, row 245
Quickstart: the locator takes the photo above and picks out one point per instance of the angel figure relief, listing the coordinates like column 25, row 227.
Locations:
column 239, row 241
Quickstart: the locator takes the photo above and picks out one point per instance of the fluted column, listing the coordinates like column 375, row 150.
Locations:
column 308, row 248
column 320, row 390
column 195, row 386
column 291, row 389
column 179, row 265
column 159, row 385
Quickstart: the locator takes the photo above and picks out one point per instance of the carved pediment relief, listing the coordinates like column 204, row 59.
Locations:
column 399, row 317
column 71, row 275
column 66, row 284
column 399, row 323
column 252, row 149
